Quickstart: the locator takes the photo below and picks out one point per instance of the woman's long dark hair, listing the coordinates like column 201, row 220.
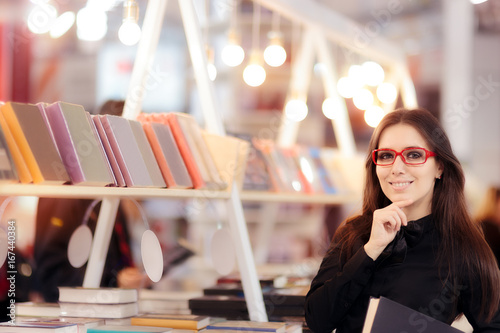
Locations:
column 463, row 248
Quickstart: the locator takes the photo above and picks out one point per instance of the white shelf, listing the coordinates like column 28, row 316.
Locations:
column 90, row 192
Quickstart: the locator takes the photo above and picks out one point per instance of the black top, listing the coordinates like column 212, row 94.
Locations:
column 339, row 294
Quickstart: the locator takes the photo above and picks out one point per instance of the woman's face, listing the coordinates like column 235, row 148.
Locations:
column 401, row 181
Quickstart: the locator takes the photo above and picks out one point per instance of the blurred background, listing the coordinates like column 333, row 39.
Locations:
column 83, row 52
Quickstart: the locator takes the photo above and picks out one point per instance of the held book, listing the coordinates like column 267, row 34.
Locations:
column 247, row 325
column 176, row 321
column 385, row 315
column 97, row 295
column 35, row 143
column 78, row 145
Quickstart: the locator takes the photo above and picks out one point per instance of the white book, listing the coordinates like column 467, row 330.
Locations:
column 96, row 310
column 97, row 295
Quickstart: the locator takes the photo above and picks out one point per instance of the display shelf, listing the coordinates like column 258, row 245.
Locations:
column 90, row 192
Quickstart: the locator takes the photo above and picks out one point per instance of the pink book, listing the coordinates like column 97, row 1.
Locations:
column 119, row 180
column 127, row 153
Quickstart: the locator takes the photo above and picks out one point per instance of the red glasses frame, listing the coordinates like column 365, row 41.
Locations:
column 428, row 154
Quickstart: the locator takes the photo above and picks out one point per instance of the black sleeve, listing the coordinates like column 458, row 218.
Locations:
column 335, row 288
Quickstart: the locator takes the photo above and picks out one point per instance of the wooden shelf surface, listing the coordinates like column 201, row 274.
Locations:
column 75, row 191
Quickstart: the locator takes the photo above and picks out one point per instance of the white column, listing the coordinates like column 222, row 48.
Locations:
column 457, row 101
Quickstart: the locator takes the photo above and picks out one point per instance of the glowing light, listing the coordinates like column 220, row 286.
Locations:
column 129, row 33
column 373, row 73
column 296, row 110
column 254, row 74
column 477, row 2
column 275, row 54
column 373, row 115
column 330, row 107
column 212, row 71
column 92, row 25
column 356, row 75
column 232, row 54
column 62, row 24
column 306, row 169
column 387, row 93
column 346, row 87
column 41, row 18
column 363, row 99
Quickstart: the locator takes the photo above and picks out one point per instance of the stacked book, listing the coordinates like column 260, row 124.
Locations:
column 114, row 303
column 227, row 300
column 61, row 143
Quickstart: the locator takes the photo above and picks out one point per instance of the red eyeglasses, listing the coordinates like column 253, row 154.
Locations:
column 410, row 156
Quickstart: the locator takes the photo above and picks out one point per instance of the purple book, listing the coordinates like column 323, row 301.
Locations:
column 80, row 149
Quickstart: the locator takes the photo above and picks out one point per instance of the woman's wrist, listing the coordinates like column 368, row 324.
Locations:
column 373, row 251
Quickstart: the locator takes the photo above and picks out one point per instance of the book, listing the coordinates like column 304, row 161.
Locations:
column 147, row 154
column 177, row 321
column 35, row 143
column 118, row 176
column 98, row 310
column 385, row 315
column 8, row 171
column 37, row 309
column 323, row 173
column 38, row 327
column 127, row 152
column 189, row 125
column 167, row 155
column 190, row 153
column 152, row 300
column 128, row 328
column 101, row 295
column 78, row 145
column 20, row 165
column 247, row 325
column 82, row 323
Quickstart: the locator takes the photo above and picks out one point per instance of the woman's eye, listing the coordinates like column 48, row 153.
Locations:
column 414, row 155
column 385, row 156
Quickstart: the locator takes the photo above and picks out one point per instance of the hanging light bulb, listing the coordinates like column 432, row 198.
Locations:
column 296, row 110
column 254, row 74
column 373, row 73
column 92, row 24
column 62, row 24
column 275, row 54
column 357, row 76
column 130, row 32
column 330, row 107
column 373, row 115
column 233, row 54
column 363, row 99
column 346, row 87
column 212, row 70
column 387, row 92
column 41, row 18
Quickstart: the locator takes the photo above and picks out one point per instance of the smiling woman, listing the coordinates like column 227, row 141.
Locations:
column 414, row 241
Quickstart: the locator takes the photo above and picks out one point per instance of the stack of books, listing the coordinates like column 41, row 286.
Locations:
column 106, row 303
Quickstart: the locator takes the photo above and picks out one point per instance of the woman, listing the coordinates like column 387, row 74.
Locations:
column 414, row 242
column 489, row 218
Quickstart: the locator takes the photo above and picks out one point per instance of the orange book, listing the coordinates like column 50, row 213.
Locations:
column 167, row 155
column 35, row 143
column 22, row 169
column 186, row 151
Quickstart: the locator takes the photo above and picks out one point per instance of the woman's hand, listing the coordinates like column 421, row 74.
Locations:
column 386, row 223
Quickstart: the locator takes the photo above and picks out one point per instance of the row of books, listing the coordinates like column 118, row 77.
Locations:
column 61, row 143
column 296, row 169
